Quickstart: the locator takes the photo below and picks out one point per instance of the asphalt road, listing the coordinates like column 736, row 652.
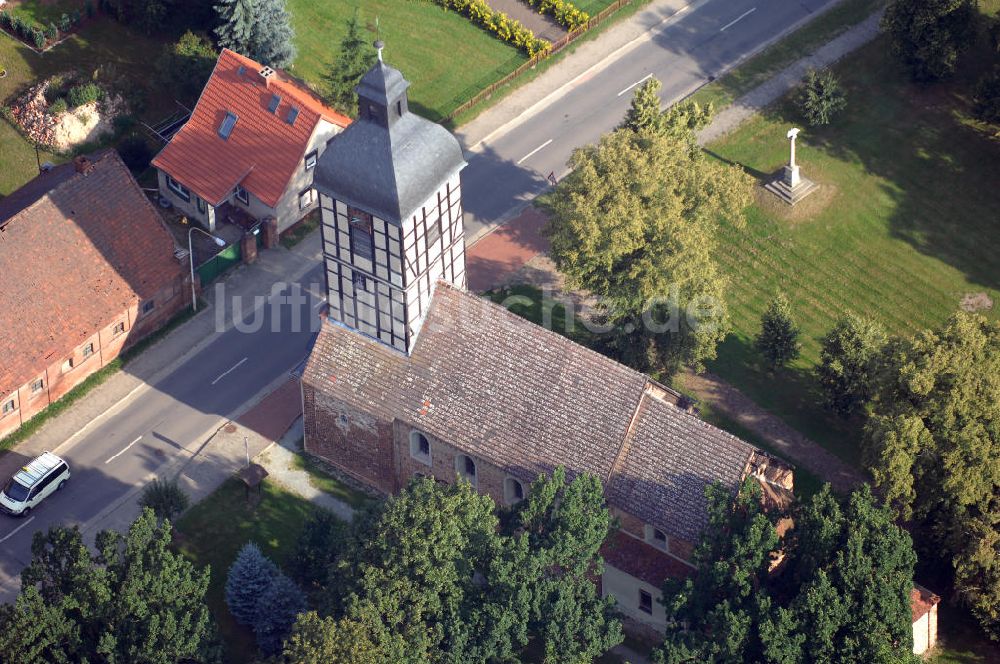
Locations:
column 160, row 421
column 157, row 423
column 683, row 52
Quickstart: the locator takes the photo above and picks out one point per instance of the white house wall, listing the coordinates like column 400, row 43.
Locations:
column 625, row 589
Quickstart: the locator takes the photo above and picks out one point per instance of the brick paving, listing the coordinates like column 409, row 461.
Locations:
column 276, row 412
column 496, row 257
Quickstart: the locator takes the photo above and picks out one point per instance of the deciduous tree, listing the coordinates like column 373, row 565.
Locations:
column 712, row 616
column 933, row 443
column 928, row 35
column 682, row 119
column 820, row 97
column 635, row 223
column 848, row 362
column 134, row 601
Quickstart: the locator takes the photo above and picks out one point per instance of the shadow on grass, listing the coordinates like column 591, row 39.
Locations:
column 791, row 394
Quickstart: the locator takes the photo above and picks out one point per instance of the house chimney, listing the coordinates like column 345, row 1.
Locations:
column 266, row 73
column 82, row 165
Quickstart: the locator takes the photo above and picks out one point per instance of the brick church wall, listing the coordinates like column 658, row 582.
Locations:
column 355, row 442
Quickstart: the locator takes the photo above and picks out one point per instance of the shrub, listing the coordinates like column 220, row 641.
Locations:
column 6, row 21
column 186, row 65
column 88, row 8
column 38, row 37
column 319, row 545
column 165, row 497
column 821, row 97
column 277, row 608
column 986, row 102
column 565, row 13
column 78, row 95
column 249, row 576
column 58, row 106
column 51, row 32
column 65, row 23
column 501, row 25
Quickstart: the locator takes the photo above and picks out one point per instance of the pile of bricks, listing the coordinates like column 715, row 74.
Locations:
column 31, row 112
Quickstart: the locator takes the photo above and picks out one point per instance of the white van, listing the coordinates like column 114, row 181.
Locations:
column 33, row 484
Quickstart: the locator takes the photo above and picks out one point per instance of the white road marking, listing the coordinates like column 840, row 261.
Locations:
column 641, row 80
column 737, row 19
column 14, row 532
column 124, row 450
column 226, row 373
column 533, row 151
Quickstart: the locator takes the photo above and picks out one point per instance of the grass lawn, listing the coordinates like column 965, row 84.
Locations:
column 779, row 55
column 213, row 531
column 327, row 483
column 593, row 7
column 905, row 226
column 447, row 59
column 43, row 12
column 103, row 48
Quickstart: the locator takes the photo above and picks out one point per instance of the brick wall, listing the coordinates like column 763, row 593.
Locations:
column 58, row 378
column 355, row 442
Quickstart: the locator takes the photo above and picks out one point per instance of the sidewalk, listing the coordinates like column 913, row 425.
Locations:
column 763, row 95
column 175, row 349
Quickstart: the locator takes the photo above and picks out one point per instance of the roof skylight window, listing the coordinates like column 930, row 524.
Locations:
column 228, row 122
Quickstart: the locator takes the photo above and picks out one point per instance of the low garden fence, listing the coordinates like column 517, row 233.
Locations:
column 557, row 46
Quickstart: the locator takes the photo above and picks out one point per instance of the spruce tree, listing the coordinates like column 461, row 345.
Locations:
column 778, row 340
column 277, row 608
column 272, row 40
column 236, row 24
column 357, row 56
column 249, row 576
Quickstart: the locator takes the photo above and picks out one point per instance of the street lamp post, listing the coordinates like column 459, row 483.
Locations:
column 218, row 241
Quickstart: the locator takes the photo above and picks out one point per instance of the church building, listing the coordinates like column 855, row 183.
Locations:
column 412, row 375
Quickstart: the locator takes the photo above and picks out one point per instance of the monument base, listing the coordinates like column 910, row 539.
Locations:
column 788, row 193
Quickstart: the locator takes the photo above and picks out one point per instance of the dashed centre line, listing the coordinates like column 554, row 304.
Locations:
column 14, row 532
column 123, row 451
column 533, row 151
column 229, row 371
column 641, row 80
column 737, row 20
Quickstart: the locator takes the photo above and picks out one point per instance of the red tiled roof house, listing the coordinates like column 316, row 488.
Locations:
column 252, row 142
column 88, row 269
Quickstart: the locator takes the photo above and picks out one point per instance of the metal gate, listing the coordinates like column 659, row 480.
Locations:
column 217, row 265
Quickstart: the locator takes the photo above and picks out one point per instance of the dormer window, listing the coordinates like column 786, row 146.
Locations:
column 292, row 114
column 228, row 122
column 272, row 106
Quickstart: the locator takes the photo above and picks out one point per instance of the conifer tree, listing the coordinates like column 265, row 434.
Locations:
column 357, row 56
column 277, row 609
column 778, row 340
column 249, row 576
column 272, row 41
column 236, row 24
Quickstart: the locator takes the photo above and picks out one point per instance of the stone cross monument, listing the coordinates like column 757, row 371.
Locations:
column 790, row 186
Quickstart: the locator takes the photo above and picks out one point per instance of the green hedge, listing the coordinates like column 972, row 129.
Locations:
column 501, row 25
column 565, row 13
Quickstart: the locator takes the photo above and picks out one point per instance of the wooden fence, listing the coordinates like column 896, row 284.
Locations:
column 557, row 46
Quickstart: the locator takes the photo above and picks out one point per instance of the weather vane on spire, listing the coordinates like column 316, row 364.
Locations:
column 379, row 44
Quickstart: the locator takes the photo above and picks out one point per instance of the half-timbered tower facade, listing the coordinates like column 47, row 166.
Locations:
column 391, row 213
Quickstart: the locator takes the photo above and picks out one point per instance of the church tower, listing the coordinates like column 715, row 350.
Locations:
column 391, row 206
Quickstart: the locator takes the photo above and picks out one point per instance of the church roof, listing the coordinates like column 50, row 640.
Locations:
column 388, row 171
column 528, row 400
